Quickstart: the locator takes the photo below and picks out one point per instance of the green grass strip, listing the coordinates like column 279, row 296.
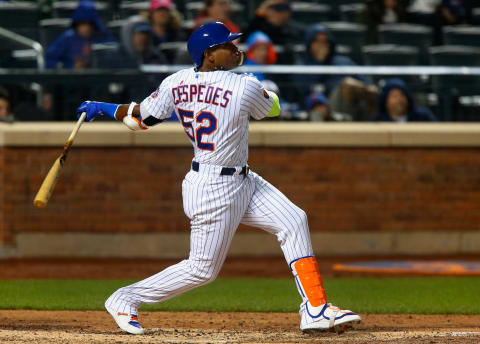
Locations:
column 364, row 295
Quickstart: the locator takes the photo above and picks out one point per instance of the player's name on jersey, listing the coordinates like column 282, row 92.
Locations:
column 201, row 93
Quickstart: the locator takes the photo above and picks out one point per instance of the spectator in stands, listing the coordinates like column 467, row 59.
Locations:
column 354, row 95
column 72, row 48
column 383, row 12
column 260, row 51
column 6, row 114
column 166, row 22
column 395, row 104
column 136, row 47
column 273, row 17
column 451, row 12
column 319, row 110
column 217, row 10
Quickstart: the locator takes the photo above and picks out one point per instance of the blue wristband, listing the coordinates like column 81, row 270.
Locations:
column 108, row 108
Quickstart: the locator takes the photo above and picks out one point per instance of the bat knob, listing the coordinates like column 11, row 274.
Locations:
column 39, row 204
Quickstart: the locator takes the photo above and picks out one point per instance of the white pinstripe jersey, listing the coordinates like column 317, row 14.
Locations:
column 214, row 108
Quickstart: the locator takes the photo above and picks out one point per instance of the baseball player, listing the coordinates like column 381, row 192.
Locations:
column 220, row 191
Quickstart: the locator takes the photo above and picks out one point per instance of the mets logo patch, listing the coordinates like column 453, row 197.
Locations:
column 155, row 94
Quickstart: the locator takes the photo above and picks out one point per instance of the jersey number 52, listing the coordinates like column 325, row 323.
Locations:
column 207, row 126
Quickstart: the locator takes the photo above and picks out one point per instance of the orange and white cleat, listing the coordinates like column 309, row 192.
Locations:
column 127, row 322
column 327, row 317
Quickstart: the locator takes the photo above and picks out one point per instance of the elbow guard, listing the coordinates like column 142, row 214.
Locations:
column 134, row 123
column 275, row 110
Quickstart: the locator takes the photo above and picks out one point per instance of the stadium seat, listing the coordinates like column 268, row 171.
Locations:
column 20, row 18
column 449, row 88
column 390, row 55
column 335, row 6
column 101, row 52
column 394, row 55
column 19, row 14
column 455, row 55
column 476, row 15
column 349, row 34
column 299, row 51
column 171, row 50
column 417, row 35
column 310, row 13
column 351, row 12
column 51, row 29
column 420, row 17
column 128, row 9
column 65, row 9
column 115, row 27
column 24, row 58
column 462, row 35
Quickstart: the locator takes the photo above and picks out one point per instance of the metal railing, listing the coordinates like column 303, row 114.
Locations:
column 39, row 55
column 344, row 70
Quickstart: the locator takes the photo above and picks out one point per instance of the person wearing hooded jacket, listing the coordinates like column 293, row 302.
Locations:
column 354, row 94
column 136, row 46
column 260, row 51
column 396, row 104
column 72, row 48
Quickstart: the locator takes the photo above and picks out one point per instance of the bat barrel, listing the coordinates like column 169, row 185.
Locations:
column 45, row 191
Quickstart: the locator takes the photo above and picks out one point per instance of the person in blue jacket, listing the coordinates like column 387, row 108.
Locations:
column 351, row 94
column 396, row 104
column 260, row 51
column 72, row 48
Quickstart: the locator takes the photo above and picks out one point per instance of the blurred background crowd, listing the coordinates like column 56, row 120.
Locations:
column 108, row 41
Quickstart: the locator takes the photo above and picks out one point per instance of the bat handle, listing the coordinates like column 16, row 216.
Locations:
column 74, row 131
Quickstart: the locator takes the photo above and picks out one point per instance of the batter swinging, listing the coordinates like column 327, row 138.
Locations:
column 220, row 192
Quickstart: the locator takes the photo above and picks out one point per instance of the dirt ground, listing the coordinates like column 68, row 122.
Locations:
column 26, row 326
column 201, row 327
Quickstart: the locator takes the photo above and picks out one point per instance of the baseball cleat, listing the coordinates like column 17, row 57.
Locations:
column 127, row 322
column 327, row 318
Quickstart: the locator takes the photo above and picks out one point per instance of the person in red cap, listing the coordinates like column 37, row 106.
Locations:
column 217, row 11
column 165, row 21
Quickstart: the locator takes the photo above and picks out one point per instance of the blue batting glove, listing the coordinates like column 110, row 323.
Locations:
column 91, row 108
column 95, row 109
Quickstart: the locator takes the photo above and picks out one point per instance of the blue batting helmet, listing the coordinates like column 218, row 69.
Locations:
column 207, row 36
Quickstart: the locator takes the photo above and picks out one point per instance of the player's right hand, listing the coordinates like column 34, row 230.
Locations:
column 91, row 108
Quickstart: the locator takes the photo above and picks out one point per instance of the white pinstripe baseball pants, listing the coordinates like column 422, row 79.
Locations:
column 216, row 205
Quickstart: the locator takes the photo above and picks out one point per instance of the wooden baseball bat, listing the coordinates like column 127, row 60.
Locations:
column 45, row 191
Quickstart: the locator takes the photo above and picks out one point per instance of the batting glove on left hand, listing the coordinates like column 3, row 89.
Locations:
column 91, row 108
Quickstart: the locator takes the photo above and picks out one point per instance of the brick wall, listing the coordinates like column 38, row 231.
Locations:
column 3, row 229
column 341, row 189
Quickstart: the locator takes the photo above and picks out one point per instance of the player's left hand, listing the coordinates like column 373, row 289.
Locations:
column 91, row 108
